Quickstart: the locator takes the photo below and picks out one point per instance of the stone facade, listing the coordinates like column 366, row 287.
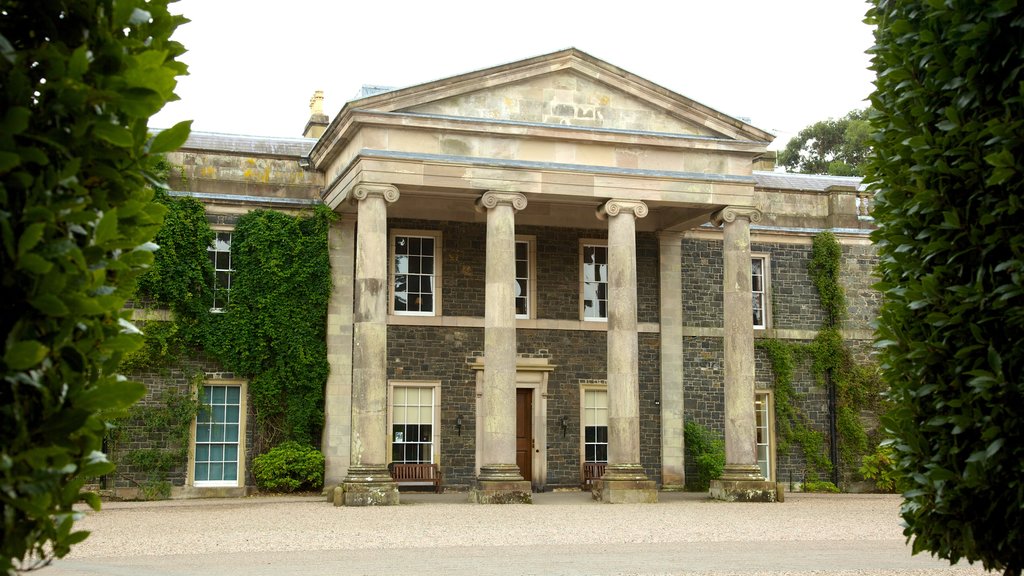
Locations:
column 567, row 139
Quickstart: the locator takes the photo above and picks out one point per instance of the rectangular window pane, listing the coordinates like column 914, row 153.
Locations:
column 763, row 434
column 412, row 414
column 217, row 431
column 595, row 282
column 522, row 286
column 413, row 278
column 220, row 256
column 595, row 414
column 758, row 266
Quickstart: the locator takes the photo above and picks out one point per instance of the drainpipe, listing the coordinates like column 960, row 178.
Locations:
column 833, row 427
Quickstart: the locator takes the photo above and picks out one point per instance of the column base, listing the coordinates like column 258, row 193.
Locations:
column 501, row 492
column 745, row 490
column 625, row 484
column 368, row 486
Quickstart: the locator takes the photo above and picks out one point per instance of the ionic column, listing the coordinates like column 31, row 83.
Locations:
column 672, row 437
column 500, row 481
column 624, row 479
column 368, row 481
column 741, row 478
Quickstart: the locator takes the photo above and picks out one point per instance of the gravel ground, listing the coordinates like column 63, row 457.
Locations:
column 563, row 533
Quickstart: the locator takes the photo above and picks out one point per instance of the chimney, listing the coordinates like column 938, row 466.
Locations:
column 318, row 121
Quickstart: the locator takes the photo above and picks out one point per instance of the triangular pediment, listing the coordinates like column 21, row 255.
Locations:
column 567, row 98
column 568, row 88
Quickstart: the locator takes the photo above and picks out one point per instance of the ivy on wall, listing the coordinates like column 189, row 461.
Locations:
column 857, row 387
column 273, row 331
column 171, row 422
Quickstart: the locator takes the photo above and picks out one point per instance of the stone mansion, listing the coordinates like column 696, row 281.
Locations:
column 536, row 266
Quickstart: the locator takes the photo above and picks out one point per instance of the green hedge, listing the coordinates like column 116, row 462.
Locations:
column 80, row 81
column 947, row 174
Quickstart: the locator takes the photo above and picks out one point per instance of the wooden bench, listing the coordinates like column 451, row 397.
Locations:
column 416, row 475
column 592, row 471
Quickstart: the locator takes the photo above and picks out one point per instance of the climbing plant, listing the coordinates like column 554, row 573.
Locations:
column 168, row 423
column 274, row 330
column 271, row 333
column 857, row 387
column 792, row 425
column 180, row 279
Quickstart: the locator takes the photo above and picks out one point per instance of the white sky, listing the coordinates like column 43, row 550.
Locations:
column 254, row 64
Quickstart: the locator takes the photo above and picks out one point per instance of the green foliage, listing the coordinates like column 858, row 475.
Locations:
column 880, row 468
column 820, row 486
column 182, row 274
column 273, row 332
column 793, row 426
column 168, row 423
column 707, row 451
column 948, row 179
column 289, row 467
column 824, row 268
column 80, row 81
column 837, row 147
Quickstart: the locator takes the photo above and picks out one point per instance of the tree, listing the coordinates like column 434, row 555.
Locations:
column 80, row 80
column 948, row 180
column 836, row 147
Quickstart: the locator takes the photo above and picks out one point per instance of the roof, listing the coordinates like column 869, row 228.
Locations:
column 256, row 145
column 805, row 182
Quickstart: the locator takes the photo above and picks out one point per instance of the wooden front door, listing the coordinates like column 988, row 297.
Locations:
column 524, row 432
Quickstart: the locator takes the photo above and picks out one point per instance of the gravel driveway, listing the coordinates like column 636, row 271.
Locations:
column 562, row 533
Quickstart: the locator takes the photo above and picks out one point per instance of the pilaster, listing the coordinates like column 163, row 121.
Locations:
column 673, row 476
column 368, row 482
column 337, row 436
column 500, row 481
column 624, row 480
column 741, row 479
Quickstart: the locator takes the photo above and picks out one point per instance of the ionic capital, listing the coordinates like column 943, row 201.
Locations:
column 491, row 199
column 614, row 207
column 386, row 191
column 731, row 213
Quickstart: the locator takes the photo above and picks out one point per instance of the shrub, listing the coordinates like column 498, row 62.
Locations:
column 288, row 467
column 80, row 81
column 948, row 179
column 707, row 451
column 821, row 486
column 880, row 468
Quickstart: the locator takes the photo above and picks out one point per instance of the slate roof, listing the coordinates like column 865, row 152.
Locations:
column 256, row 145
column 805, row 182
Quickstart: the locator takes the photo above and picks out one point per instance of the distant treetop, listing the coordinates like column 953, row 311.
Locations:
column 837, row 147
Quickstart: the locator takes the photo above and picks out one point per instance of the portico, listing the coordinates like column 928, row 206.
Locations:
column 559, row 141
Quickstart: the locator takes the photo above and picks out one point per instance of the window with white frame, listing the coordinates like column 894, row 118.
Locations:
column 759, row 290
column 415, row 273
column 594, row 281
column 220, row 256
column 595, row 425
column 762, row 420
column 413, row 424
column 218, row 433
column 525, row 271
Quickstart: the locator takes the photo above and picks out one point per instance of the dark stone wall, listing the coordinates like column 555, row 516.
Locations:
column 702, row 283
column 862, row 301
column 705, row 397
column 444, row 354
column 794, row 299
column 158, row 380
column 795, row 303
column 558, row 276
